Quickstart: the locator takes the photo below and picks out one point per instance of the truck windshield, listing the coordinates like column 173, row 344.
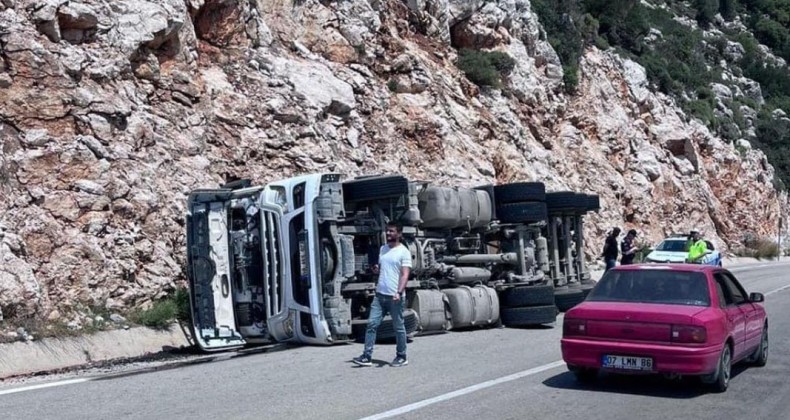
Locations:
column 652, row 286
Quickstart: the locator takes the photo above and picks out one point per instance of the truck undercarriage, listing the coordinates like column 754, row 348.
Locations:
column 291, row 261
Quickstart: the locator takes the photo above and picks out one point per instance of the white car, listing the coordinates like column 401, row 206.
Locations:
column 675, row 250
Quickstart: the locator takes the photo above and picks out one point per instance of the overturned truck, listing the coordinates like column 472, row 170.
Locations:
column 291, row 261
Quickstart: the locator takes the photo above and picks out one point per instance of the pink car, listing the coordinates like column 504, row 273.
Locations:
column 678, row 319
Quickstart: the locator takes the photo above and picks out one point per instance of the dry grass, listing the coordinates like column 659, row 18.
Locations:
column 161, row 314
column 759, row 248
column 165, row 311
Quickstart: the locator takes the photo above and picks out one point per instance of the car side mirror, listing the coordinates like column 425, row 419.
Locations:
column 756, row 297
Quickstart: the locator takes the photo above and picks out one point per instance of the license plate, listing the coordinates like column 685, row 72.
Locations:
column 626, row 362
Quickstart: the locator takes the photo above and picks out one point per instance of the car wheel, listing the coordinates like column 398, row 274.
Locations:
column 760, row 357
column 722, row 379
column 584, row 375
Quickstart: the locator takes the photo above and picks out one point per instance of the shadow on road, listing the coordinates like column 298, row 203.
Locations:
column 170, row 365
column 376, row 363
column 650, row 385
column 540, row 327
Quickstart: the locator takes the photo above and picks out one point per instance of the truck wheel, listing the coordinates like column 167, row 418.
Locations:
column 237, row 184
column 375, row 187
column 522, row 212
column 386, row 332
column 531, row 315
column 566, row 202
column 519, row 191
column 568, row 298
column 528, row 296
column 593, row 202
column 587, row 287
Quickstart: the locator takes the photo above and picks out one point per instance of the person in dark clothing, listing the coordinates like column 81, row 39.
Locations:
column 610, row 251
column 628, row 248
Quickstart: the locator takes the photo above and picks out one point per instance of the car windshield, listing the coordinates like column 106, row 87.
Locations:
column 673, row 246
column 652, row 286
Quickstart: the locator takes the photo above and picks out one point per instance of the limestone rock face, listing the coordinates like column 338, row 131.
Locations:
column 112, row 110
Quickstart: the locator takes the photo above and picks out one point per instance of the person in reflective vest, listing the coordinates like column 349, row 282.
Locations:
column 698, row 248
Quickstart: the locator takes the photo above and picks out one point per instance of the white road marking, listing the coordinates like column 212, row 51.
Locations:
column 463, row 391
column 778, row 290
column 752, row 267
column 423, row 403
column 42, row 386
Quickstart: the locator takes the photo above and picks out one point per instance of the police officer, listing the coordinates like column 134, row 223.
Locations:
column 698, row 248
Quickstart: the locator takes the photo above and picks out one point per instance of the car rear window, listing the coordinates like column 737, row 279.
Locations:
column 652, row 286
column 673, row 246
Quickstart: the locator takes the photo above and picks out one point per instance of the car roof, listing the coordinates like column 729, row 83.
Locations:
column 700, row 268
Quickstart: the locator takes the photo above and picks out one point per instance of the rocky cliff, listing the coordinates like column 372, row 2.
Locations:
column 112, row 110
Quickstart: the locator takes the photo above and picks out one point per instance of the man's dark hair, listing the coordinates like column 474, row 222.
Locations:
column 632, row 232
column 615, row 231
column 396, row 225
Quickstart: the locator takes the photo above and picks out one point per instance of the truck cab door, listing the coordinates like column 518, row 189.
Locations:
column 208, row 271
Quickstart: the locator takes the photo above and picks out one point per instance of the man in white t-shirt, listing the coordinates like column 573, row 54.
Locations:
column 393, row 270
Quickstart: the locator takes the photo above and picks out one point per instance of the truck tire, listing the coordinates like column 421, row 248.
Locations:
column 567, row 298
column 386, row 331
column 375, row 187
column 587, row 287
column 593, row 202
column 522, row 212
column 237, row 184
column 531, row 315
column 528, row 296
column 518, row 192
column 566, row 202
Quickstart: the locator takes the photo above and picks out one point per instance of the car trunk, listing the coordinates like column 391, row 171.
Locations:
column 634, row 321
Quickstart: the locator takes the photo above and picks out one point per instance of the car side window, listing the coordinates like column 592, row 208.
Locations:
column 724, row 298
column 735, row 289
column 723, row 301
column 733, row 292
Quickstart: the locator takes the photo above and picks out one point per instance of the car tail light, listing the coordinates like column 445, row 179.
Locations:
column 689, row 334
column 574, row 327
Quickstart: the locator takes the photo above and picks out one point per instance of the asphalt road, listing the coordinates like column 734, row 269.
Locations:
column 499, row 374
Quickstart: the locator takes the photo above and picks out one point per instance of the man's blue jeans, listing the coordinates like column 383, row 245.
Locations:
column 611, row 264
column 381, row 306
